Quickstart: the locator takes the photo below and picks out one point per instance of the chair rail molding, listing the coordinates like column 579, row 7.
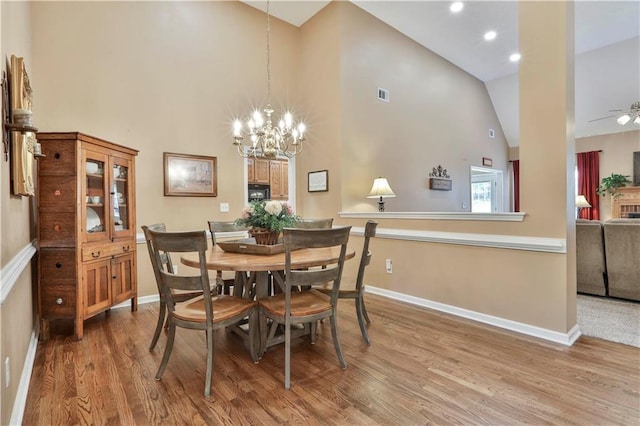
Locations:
column 499, row 217
column 510, row 242
column 11, row 272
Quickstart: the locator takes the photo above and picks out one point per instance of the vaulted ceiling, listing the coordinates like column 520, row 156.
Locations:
column 607, row 46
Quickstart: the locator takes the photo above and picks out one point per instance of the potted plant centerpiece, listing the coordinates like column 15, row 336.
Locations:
column 266, row 219
column 610, row 184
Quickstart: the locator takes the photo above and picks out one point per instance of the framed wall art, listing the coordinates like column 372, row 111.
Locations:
column 190, row 175
column 318, row 181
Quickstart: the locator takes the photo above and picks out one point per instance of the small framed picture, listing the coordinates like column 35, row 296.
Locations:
column 486, row 161
column 190, row 175
column 318, row 181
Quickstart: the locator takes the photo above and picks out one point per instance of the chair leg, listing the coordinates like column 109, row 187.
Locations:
column 167, row 350
column 364, row 310
column 336, row 341
column 287, row 353
column 207, row 382
column 156, row 334
column 361, row 320
column 253, row 335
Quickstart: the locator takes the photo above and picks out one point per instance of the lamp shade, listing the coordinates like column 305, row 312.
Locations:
column 581, row 201
column 381, row 188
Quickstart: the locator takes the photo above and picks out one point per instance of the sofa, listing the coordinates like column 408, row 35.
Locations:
column 622, row 253
column 590, row 258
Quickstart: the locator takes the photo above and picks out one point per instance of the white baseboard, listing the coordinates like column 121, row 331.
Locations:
column 566, row 339
column 25, row 378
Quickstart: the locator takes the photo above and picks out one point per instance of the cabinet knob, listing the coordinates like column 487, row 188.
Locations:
column 57, row 227
column 127, row 248
column 95, row 254
column 58, row 265
column 114, row 277
column 57, row 156
column 59, row 301
column 57, row 193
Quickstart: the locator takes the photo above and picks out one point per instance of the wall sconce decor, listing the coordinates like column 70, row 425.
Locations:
column 18, row 134
column 381, row 189
column 439, row 179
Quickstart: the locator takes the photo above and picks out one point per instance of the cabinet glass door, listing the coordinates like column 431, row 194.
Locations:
column 95, row 212
column 120, row 197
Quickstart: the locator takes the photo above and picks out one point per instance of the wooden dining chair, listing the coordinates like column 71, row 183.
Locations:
column 314, row 223
column 225, row 281
column 357, row 293
column 206, row 312
column 164, row 264
column 308, row 306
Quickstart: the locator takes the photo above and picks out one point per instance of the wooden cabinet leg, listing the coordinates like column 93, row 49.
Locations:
column 134, row 304
column 78, row 328
column 44, row 329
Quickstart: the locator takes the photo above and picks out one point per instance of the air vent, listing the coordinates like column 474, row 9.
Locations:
column 383, row 94
column 492, row 133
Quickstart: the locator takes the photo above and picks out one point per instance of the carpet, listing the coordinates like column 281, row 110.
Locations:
column 609, row 319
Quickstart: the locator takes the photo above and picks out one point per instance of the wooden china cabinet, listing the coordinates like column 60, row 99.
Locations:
column 86, row 228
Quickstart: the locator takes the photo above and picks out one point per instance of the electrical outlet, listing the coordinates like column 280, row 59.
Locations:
column 464, row 205
column 7, row 372
column 389, row 266
column 224, row 207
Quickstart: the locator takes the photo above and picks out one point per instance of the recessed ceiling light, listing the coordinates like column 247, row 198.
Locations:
column 515, row 57
column 456, row 6
column 490, row 35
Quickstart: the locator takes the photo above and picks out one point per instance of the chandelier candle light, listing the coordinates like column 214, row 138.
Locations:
column 266, row 139
column 381, row 189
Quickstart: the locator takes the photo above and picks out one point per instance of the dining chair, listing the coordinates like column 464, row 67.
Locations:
column 314, row 223
column 165, row 264
column 357, row 293
column 308, row 306
column 206, row 312
column 224, row 281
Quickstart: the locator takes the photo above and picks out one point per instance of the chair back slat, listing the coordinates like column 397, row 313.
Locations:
column 314, row 223
column 182, row 242
column 295, row 239
column 226, row 226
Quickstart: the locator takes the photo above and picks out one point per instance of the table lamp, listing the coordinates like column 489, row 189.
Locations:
column 381, row 189
column 581, row 202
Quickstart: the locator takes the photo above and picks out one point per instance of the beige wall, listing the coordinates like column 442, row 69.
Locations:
column 616, row 157
column 160, row 76
column 16, row 230
column 437, row 115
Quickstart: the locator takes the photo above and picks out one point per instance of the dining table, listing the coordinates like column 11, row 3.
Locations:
column 260, row 267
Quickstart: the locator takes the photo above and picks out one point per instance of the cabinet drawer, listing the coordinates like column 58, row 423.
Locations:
column 58, row 299
column 60, row 157
column 57, row 265
column 94, row 252
column 57, row 229
column 58, row 192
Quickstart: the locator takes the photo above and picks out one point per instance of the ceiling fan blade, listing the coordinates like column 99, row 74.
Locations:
column 616, row 110
column 601, row 118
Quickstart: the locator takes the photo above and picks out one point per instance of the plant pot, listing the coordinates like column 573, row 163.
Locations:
column 264, row 236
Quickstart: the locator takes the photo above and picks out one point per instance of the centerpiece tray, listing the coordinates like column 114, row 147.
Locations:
column 249, row 246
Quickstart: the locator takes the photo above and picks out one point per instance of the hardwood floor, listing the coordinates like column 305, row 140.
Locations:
column 423, row 367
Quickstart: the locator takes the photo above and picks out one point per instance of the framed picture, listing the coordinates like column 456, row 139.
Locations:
column 486, row 161
column 190, row 175
column 319, row 181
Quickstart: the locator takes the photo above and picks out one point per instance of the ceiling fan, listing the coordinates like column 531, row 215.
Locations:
column 625, row 116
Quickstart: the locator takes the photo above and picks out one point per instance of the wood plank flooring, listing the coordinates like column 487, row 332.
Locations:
column 423, row 367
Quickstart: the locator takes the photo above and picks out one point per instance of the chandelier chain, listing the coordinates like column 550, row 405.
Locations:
column 268, row 56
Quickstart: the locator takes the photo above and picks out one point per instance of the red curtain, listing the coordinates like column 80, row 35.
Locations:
column 516, row 185
column 588, row 181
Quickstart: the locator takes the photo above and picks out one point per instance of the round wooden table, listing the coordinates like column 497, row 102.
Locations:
column 261, row 265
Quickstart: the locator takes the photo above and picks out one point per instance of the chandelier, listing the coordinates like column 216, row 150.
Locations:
column 265, row 139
